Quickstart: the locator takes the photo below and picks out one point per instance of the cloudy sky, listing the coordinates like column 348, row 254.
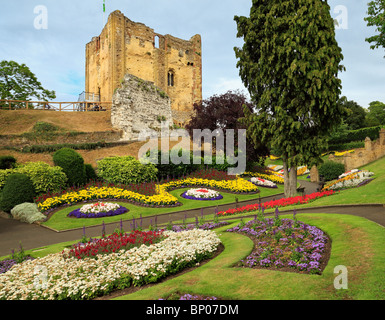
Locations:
column 56, row 54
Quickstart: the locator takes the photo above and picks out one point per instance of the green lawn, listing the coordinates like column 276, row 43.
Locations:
column 357, row 243
column 59, row 221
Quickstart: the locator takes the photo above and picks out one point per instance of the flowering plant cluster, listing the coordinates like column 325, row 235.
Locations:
column 263, row 182
column 68, row 277
column 202, row 194
column 188, row 296
column 114, row 243
column 284, row 244
column 351, row 180
column 98, row 210
column 161, row 198
column 94, row 193
column 271, row 176
column 348, row 173
column 237, row 185
column 341, row 154
column 277, row 203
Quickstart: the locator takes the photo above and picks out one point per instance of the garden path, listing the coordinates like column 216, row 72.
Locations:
column 13, row 232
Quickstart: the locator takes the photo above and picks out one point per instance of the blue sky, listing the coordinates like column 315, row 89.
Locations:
column 57, row 54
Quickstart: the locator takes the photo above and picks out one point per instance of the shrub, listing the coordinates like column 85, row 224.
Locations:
column 18, row 189
column 125, row 170
column 355, row 135
column 171, row 169
column 90, row 173
column 72, row 164
column 330, row 170
column 7, row 162
column 44, row 177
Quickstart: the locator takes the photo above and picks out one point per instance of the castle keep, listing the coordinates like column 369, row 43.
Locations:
column 126, row 47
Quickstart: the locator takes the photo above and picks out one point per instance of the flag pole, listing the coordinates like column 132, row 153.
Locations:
column 104, row 13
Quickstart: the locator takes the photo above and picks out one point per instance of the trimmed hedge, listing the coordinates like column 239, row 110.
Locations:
column 330, row 170
column 125, row 170
column 356, row 135
column 72, row 164
column 18, row 189
column 44, row 177
column 7, row 162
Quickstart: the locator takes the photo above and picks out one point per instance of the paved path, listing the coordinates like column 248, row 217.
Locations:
column 12, row 232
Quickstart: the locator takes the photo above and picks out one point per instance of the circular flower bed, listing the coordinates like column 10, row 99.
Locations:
column 263, row 182
column 98, row 210
column 202, row 194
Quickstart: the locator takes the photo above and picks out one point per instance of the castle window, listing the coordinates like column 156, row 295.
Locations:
column 156, row 42
column 170, row 78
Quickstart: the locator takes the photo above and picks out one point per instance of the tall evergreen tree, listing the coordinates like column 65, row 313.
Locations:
column 289, row 63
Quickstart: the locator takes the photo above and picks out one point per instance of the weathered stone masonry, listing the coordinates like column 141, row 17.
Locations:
column 126, row 47
column 139, row 105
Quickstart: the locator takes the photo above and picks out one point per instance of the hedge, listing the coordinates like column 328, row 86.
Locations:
column 125, row 170
column 355, row 135
column 44, row 177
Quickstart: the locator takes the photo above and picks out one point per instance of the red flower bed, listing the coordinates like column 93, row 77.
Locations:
column 115, row 242
column 278, row 203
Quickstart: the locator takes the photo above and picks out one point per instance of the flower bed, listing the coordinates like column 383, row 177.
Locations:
column 237, row 185
column 271, row 176
column 277, row 203
column 202, row 194
column 161, row 199
column 284, row 244
column 350, row 180
column 98, row 210
column 115, row 243
column 263, row 182
column 78, row 279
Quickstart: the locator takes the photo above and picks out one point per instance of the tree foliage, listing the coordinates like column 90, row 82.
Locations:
column 376, row 18
column 222, row 112
column 17, row 82
column 376, row 114
column 355, row 116
column 289, row 63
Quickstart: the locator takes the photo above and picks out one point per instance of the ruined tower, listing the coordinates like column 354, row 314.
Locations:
column 126, row 47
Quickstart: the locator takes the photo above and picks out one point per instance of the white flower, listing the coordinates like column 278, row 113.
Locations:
column 202, row 193
column 99, row 207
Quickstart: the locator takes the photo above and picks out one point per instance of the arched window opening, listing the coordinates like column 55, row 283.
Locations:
column 156, row 42
column 171, row 78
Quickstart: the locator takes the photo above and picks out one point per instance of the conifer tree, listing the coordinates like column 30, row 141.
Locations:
column 289, row 63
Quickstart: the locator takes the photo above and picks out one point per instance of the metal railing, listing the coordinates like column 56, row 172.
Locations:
column 82, row 106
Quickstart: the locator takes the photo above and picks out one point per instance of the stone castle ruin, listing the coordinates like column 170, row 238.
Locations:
column 128, row 52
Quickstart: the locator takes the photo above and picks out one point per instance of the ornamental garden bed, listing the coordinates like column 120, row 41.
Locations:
column 202, row 194
column 80, row 276
column 351, row 179
column 285, row 245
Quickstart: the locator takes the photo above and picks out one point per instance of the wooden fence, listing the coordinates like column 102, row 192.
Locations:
column 54, row 106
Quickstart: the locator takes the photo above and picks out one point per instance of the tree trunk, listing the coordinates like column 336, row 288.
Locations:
column 293, row 181
column 290, row 180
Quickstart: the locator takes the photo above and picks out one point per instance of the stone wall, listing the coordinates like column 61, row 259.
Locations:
column 373, row 150
column 139, row 105
column 126, row 47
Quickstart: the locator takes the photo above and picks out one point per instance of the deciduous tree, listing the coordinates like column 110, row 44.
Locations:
column 17, row 82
